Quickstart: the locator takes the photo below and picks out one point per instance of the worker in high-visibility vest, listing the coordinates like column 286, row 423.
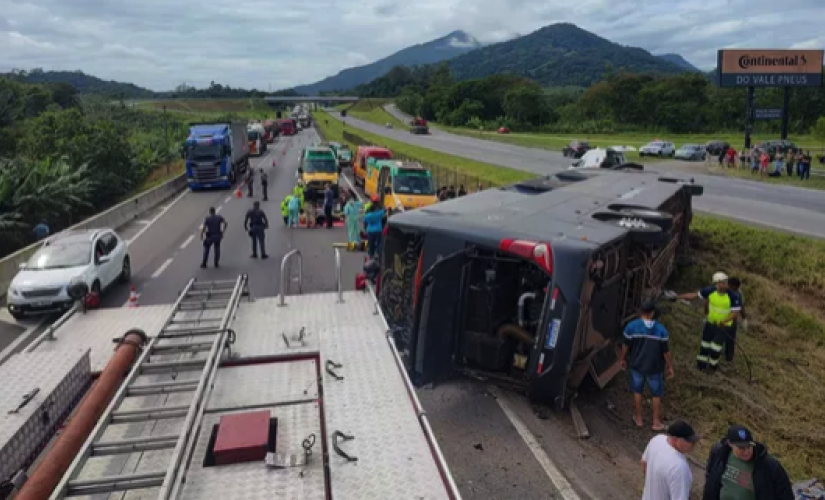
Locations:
column 724, row 306
column 285, row 209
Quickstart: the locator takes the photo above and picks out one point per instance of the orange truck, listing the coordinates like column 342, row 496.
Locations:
column 362, row 155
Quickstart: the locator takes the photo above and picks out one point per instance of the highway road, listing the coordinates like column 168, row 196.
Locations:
column 787, row 208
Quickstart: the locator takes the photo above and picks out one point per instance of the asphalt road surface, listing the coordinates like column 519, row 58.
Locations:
column 792, row 209
column 490, row 457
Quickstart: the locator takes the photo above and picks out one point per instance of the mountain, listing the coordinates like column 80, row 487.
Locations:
column 679, row 61
column 559, row 55
column 85, row 84
column 441, row 49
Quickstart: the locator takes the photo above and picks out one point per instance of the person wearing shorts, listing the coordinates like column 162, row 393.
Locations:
column 646, row 355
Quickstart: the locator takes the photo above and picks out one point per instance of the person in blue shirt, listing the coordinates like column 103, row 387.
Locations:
column 329, row 201
column 41, row 230
column 374, row 220
column 645, row 341
column 293, row 211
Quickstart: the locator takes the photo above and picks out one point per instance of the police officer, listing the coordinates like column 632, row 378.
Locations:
column 250, row 182
column 255, row 224
column 211, row 234
column 265, row 185
column 724, row 306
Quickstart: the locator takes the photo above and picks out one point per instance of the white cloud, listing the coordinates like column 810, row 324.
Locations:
column 245, row 43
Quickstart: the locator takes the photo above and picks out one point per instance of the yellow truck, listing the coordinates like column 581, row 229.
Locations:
column 319, row 166
column 403, row 185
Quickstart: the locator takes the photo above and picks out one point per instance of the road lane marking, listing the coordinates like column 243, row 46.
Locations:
column 143, row 222
column 157, row 217
column 553, row 473
column 218, row 209
column 228, row 199
column 162, row 268
column 188, row 241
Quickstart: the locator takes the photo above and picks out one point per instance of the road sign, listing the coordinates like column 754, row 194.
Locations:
column 770, row 68
column 767, row 114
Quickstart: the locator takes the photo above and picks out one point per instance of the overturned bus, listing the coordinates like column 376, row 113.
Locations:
column 531, row 285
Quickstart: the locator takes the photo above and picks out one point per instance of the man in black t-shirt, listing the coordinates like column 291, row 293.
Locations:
column 211, row 234
column 255, row 224
column 265, row 185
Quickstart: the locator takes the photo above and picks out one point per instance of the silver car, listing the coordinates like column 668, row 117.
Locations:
column 658, row 148
column 691, row 152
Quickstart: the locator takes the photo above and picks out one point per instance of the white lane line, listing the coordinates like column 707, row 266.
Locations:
column 346, row 179
column 228, row 199
column 556, row 477
column 143, row 222
column 162, row 268
column 218, row 209
column 157, row 217
column 187, row 242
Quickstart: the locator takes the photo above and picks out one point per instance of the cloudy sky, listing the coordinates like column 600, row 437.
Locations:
column 160, row 44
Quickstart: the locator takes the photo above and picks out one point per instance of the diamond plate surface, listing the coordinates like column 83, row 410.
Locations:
column 96, row 329
column 372, row 404
column 259, row 326
column 253, row 480
column 61, row 377
column 264, row 385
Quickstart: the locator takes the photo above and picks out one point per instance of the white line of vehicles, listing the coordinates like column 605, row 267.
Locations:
column 613, row 157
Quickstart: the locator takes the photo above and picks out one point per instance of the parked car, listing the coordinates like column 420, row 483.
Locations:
column 716, row 148
column 576, row 149
column 99, row 258
column 658, row 148
column 503, row 130
column 691, row 152
column 610, row 158
column 778, row 146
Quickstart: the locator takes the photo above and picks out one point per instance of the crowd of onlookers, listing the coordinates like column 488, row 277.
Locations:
column 769, row 164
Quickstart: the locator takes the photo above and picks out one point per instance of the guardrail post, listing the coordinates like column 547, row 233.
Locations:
column 285, row 275
column 338, row 285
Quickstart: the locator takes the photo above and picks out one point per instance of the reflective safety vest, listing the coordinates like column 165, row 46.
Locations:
column 298, row 192
column 719, row 308
column 285, row 206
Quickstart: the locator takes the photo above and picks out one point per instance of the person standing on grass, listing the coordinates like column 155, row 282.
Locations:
column 764, row 160
column 666, row 470
column 646, row 340
column 724, row 307
column 731, row 160
column 739, row 468
column 806, row 166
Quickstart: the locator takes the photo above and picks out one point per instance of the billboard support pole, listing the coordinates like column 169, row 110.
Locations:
column 786, row 111
column 749, row 118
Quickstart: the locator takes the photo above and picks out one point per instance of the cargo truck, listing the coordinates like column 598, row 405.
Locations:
column 216, row 154
column 419, row 126
column 287, row 126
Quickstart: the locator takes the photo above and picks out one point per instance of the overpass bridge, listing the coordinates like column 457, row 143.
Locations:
column 315, row 99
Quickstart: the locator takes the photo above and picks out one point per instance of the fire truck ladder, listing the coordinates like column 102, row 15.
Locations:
column 190, row 332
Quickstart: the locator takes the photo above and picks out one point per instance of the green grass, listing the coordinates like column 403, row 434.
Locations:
column 815, row 182
column 783, row 280
column 378, row 116
column 206, row 105
column 446, row 168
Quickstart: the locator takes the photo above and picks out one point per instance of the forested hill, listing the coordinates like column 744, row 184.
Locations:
column 83, row 83
column 559, row 55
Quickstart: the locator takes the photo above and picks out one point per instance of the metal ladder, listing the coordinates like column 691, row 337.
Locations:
column 201, row 334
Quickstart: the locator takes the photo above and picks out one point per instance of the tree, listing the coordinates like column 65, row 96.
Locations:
column 819, row 132
column 524, row 103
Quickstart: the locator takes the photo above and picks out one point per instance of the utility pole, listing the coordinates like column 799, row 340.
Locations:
column 166, row 141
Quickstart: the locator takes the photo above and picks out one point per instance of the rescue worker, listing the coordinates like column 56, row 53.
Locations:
column 329, row 201
column 265, row 185
column 285, row 209
column 255, row 224
column 294, row 211
column 352, row 210
column 310, row 199
column 211, row 234
column 724, row 306
column 374, row 220
column 250, row 183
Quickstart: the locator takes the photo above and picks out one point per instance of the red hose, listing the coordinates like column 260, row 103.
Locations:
column 48, row 474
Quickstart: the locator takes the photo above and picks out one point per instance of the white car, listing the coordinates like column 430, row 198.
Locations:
column 599, row 158
column 658, row 148
column 97, row 257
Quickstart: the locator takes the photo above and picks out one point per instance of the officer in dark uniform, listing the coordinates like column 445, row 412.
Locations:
column 212, row 233
column 255, row 224
column 265, row 185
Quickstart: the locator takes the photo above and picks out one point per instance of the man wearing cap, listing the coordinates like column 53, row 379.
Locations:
column 724, row 306
column 741, row 469
column 646, row 340
column 666, row 470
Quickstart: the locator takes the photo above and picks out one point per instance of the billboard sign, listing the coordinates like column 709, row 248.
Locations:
column 767, row 114
column 769, row 68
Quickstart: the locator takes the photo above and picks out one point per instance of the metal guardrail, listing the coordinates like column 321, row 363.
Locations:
column 49, row 333
column 285, row 275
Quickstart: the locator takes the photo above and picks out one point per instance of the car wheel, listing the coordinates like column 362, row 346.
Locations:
column 126, row 270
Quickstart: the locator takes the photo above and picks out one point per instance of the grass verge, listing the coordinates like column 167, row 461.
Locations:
column 206, row 105
column 378, row 116
column 815, row 182
column 783, row 280
column 161, row 174
column 460, row 168
column 784, row 286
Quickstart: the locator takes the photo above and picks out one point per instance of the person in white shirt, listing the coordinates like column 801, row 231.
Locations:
column 667, row 473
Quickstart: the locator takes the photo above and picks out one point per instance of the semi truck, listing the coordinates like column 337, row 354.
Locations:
column 419, row 125
column 287, row 126
column 216, row 154
column 256, row 135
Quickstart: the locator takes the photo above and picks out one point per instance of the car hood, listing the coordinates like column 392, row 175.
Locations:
column 29, row 280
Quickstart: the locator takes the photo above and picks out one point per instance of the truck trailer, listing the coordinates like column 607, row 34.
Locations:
column 214, row 403
column 216, row 154
column 531, row 285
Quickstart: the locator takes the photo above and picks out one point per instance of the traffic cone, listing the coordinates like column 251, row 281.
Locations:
column 133, row 298
column 238, row 193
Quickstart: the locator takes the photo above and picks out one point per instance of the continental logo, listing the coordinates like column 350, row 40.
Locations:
column 770, row 62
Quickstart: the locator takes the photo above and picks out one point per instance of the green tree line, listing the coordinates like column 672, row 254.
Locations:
column 63, row 158
column 623, row 102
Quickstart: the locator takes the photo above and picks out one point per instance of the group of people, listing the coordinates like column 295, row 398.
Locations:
column 770, row 165
column 214, row 227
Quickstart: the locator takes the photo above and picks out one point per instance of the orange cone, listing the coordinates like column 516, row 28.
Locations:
column 133, row 298
column 238, row 193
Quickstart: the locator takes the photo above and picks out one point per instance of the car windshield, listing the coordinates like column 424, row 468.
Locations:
column 203, row 152
column 691, row 147
column 252, row 135
column 320, row 165
column 345, row 153
column 412, row 184
column 655, row 144
column 61, row 256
